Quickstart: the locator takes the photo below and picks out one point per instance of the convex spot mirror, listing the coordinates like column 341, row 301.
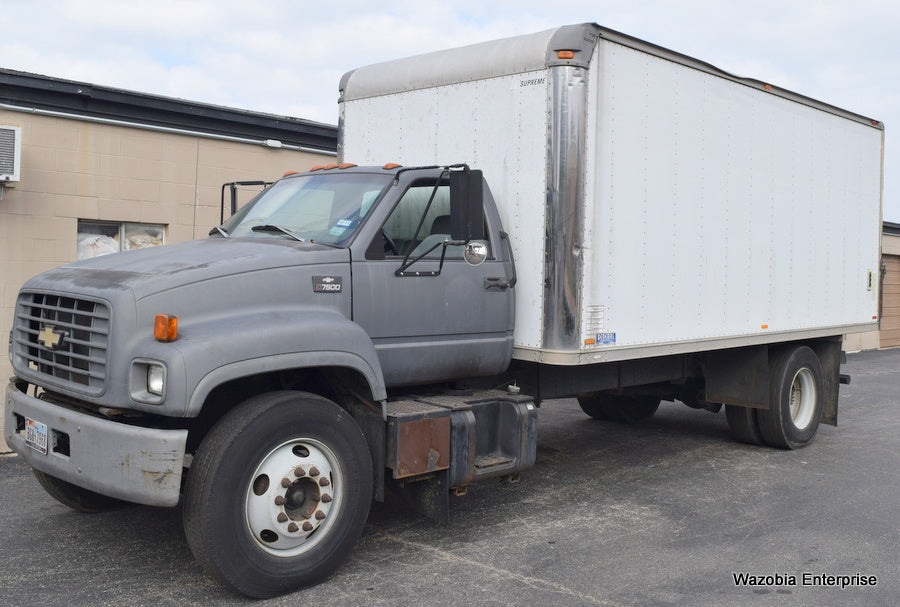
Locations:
column 475, row 253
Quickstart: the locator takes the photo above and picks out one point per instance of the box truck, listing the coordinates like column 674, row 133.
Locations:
column 572, row 213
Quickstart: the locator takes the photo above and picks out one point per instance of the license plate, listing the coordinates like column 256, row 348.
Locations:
column 36, row 435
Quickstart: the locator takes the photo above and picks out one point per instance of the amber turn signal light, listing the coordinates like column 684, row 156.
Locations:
column 165, row 327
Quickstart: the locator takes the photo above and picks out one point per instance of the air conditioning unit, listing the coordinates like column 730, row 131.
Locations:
column 10, row 153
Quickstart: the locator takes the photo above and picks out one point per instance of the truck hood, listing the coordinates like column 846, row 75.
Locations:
column 155, row 269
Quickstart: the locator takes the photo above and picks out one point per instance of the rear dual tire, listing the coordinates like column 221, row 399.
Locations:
column 743, row 424
column 797, row 397
column 796, row 400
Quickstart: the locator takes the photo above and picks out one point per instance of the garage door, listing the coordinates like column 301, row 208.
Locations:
column 890, row 302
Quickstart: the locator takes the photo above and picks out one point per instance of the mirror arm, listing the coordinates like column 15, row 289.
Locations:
column 407, row 262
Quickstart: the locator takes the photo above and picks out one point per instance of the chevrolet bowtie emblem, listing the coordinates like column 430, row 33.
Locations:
column 49, row 337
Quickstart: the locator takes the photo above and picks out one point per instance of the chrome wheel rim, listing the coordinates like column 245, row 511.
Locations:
column 803, row 398
column 293, row 497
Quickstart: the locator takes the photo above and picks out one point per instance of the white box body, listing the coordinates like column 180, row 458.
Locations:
column 655, row 204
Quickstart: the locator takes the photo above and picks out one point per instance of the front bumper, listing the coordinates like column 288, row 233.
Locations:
column 131, row 463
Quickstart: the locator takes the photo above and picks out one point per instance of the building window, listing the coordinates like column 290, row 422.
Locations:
column 97, row 238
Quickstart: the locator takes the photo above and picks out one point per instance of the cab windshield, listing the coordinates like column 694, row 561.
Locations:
column 326, row 208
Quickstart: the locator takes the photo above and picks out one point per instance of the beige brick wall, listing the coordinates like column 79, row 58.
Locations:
column 72, row 169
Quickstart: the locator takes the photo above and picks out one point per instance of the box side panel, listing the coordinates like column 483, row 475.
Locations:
column 498, row 125
column 717, row 210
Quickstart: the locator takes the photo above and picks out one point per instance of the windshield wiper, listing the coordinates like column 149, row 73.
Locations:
column 269, row 227
column 218, row 230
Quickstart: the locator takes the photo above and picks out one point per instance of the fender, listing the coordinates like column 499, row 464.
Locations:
column 274, row 341
column 298, row 360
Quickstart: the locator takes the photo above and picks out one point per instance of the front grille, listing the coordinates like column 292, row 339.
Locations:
column 64, row 338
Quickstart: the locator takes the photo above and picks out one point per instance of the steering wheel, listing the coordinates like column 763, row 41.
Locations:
column 389, row 245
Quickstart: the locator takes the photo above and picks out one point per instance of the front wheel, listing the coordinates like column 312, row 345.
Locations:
column 628, row 409
column 75, row 497
column 278, row 493
column 795, row 401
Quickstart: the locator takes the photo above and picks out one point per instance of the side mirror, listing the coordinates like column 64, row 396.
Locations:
column 475, row 253
column 466, row 205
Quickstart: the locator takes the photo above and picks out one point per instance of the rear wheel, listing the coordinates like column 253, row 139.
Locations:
column 796, row 399
column 75, row 497
column 278, row 493
column 628, row 409
column 743, row 424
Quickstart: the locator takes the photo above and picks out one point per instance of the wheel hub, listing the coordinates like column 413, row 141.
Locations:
column 296, row 496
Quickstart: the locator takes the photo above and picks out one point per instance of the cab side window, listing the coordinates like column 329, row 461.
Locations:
column 415, row 226
column 413, row 219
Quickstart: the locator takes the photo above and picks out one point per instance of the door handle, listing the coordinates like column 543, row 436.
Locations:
column 496, row 284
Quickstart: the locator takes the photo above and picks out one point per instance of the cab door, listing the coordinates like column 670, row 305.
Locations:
column 434, row 320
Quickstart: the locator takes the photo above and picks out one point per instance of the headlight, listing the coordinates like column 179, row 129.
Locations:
column 147, row 381
column 156, row 379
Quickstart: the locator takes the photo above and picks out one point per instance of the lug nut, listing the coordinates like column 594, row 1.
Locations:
column 280, row 500
column 282, row 517
column 324, row 482
column 326, row 498
column 319, row 515
column 298, row 472
column 285, row 482
column 314, row 471
column 307, row 526
column 292, row 528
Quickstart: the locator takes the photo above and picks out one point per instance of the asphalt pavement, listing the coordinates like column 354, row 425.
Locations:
column 669, row 511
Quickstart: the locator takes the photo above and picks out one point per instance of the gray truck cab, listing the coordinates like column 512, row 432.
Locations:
column 259, row 375
column 430, row 315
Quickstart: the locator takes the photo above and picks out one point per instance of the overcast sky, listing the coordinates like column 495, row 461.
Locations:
column 287, row 57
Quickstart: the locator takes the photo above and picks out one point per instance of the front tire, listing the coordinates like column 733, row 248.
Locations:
column 628, row 409
column 75, row 497
column 278, row 493
column 795, row 401
column 594, row 405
